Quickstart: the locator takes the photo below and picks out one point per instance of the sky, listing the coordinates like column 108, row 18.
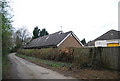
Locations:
column 86, row 18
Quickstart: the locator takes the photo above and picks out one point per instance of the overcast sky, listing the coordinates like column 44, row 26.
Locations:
column 86, row 18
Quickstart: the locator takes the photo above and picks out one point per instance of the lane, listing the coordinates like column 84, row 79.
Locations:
column 22, row 69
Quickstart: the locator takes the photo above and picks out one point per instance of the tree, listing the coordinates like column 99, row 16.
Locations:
column 36, row 32
column 6, row 34
column 43, row 32
column 22, row 36
column 83, row 41
column 6, row 26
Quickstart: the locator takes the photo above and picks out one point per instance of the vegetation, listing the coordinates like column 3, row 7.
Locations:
column 6, row 27
column 37, row 33
column 6, row 67
column 80, row 57
column 68, row 57
column 7, row 31
column 83, row 41
column 49, row 54
column 68, row 70
column 47, row 62
column 20, row 38
column 43, row 32
column 11, row 39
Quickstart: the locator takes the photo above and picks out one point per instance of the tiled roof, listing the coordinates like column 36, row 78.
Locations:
column 48, row 40
column 111, row 34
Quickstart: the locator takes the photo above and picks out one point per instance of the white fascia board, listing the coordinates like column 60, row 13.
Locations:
column 77, row 38
column 64, row 39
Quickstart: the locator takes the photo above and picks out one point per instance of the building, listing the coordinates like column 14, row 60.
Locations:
column 55, row 40
column 108, row 39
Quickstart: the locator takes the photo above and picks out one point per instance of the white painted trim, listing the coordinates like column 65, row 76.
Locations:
column 77, row 38
column 67, row 37
column 64, row 39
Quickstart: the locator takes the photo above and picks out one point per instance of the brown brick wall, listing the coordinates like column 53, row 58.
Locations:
column 70, row 42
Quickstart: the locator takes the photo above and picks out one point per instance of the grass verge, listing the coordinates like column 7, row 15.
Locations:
column 6, row 70
column 47, row 62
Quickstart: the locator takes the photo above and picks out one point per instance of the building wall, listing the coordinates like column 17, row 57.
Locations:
column 107, row 43
column 70, row 42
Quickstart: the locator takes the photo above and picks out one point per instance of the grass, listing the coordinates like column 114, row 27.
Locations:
column 0, row 67
column 6, row 67
column 47, row 62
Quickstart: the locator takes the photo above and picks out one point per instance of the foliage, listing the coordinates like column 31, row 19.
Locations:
column 6, row 27
column 49, row 54
column 43, row 32
column 83, row 41
column 47, row 62
column 37, row 33
column 80, row 57
column 6, row 31
column 6, row 74
column 21, row 37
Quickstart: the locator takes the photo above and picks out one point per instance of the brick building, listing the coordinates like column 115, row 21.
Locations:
column 55, row 40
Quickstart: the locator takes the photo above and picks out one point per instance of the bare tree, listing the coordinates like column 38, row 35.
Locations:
column 22, row 36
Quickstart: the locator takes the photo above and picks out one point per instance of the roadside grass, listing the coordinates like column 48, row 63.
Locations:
column 47, row 62
column 0, row 67
column 6, row 70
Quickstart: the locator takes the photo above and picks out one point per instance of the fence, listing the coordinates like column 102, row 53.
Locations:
column 111, row 56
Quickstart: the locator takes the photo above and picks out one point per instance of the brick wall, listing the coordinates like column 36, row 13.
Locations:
column 70, row 42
